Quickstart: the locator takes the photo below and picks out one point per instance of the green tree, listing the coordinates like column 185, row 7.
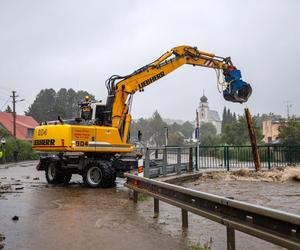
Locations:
column 48, row 104
column 289, row 133
column 157, row 129
column 154, row 129
column 187, row 129
column 8, row 109
column 227, row 118
column 42, row 108
column 176, row 139
column 236, row 133
column 208, row 134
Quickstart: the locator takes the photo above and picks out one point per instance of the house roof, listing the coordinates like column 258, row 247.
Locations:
column 23, row 123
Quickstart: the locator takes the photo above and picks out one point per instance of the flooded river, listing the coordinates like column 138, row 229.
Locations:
column 275, row 189
column 75, row 217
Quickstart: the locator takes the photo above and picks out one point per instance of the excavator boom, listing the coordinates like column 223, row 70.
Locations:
column 236, row 90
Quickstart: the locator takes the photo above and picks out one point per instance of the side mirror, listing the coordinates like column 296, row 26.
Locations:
column 139, row 135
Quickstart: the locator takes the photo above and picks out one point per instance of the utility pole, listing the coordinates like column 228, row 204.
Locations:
column 14, row 96
column 14, row 101
column 288, row 109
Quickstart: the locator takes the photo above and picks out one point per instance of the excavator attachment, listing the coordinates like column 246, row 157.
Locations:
column 237, row 90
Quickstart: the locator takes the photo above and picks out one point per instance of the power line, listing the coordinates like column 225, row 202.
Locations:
column 5, row 103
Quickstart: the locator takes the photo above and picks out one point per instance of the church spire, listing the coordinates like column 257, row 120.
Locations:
column 203, row 98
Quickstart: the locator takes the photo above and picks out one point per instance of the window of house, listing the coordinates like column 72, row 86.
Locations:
column 30, row 132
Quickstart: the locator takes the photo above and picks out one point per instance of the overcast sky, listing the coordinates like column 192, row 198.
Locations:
column 79, row 44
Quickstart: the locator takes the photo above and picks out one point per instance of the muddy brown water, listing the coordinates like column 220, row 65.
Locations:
column 276, row 189
column 75, row 217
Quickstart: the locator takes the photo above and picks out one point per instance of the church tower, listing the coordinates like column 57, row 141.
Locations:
column 203, row 109
column 207, row 115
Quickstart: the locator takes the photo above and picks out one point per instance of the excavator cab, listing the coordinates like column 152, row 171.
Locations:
column 237, row 90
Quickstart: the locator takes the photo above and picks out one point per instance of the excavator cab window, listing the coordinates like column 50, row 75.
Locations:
column 99, row 116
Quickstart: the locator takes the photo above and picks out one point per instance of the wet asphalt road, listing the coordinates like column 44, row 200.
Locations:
column 74, row 217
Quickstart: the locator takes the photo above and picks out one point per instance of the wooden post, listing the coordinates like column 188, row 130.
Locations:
column 135, row 196
column 156, row 207
column 230, row 238
column 252, row 136
column 184, row 216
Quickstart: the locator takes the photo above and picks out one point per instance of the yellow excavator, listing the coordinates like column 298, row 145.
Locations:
column 96, row 145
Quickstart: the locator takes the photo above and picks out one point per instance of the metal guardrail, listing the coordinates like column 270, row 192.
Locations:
column 272, row 225
column 166, row 160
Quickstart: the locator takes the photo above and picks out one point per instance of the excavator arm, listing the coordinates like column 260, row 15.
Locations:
column 235, row 90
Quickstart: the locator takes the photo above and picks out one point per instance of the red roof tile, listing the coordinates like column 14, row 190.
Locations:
column 23, row 123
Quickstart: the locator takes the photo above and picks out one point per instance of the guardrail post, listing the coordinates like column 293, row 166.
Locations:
column 269, row 157
column 165, row 162
column 135, row 196
column 185, row 220
column 147, row 163
column 230, row 238
column 178, row 166
column 190, row 168
column 156, row 207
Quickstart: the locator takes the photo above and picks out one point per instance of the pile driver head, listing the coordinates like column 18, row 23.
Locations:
column 237, row 90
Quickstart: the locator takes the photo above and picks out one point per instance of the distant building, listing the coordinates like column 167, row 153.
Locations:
column 207, row 115
column 24, row 125
column 271, row 128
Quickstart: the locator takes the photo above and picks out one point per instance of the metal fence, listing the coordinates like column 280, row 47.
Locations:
column 166, row 160
column 227, row 157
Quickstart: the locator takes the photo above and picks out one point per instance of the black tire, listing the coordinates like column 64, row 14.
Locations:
column 53, row 174
column 99, row 174
column 66, row 178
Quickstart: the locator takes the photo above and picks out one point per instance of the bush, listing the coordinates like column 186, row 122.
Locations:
column 23, row 149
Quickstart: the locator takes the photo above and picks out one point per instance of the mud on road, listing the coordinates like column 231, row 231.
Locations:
column 72, row 217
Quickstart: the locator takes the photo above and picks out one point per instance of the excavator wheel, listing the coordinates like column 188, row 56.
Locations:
column 99, row 174
column 53, row 174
